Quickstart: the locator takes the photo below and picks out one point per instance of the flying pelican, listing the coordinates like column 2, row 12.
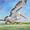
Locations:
column 18, row 6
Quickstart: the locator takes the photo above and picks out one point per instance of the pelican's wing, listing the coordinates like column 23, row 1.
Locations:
column 18, row 6
column 23, row 16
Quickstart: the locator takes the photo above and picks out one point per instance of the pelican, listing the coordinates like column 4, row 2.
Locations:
column 13, row 13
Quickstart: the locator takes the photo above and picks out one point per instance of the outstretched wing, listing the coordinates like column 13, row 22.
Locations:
column 18, row 6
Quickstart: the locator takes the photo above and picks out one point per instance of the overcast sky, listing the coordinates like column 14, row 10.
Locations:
column 5, row 7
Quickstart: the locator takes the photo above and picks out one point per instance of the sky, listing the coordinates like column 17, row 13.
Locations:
column 7, row 5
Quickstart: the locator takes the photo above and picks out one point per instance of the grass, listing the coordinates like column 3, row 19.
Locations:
column 7, row 27
column 15, row 27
